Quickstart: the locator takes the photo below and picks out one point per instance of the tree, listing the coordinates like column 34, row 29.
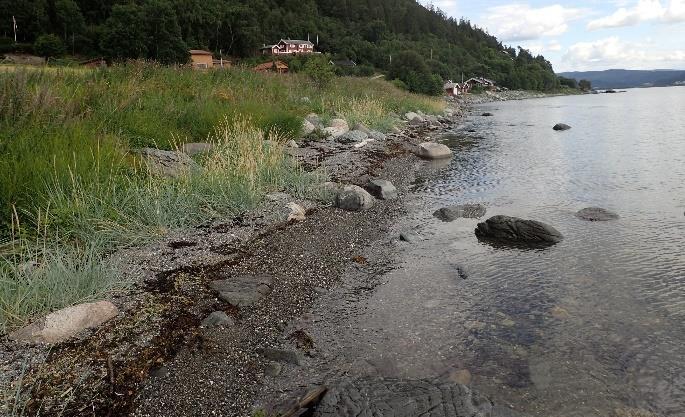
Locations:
column 124, row 35
column 164, row 42
column 585, row 85
column 49, row 46
column 319, row 70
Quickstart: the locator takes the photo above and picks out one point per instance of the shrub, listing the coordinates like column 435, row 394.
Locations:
column 49, row 46
column 319, row 70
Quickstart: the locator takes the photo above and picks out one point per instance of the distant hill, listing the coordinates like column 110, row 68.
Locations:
column 619, row 78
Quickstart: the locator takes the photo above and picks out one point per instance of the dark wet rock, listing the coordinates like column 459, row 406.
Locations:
column 381, row 397
column 282, row 355
column 515, row 230
column 432, row 150
column 561, row 126
column 382, row 189
column 218, row 319
column 469, row 211
column 487, row 114
column 243, row 290
column 354, row 198
column 461, row 272
column 596, row 214
column 63, row 324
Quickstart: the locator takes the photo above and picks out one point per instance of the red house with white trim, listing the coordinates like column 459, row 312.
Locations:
column 288, row 47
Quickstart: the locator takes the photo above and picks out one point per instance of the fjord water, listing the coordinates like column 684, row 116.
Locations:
column 589, row 326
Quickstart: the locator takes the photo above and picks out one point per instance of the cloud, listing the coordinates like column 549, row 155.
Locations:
column 521, row 22
column 612, row 52
column 672, row 11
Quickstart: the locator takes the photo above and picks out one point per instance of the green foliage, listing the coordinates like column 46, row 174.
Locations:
column 568, row 82
column 319, row 71
column 410, row 68
column 585, row 85
column 49, row 46
column 368, row 32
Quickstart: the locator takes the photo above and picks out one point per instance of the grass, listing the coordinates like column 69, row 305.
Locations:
column 69, row 178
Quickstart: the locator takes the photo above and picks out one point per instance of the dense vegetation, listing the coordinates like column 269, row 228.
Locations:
column 71, row 190
column 374, row 33
column 619, row 78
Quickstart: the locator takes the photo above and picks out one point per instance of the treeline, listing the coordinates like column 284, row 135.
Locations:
column 373, row 33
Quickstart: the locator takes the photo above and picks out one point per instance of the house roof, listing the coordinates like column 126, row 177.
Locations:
column 199, row 52
column 297, row 42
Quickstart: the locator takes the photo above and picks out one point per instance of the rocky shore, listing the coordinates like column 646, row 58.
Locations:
column 188, row 340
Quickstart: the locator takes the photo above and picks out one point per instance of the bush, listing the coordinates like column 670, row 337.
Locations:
column 399, row 84
column 49, row 46
column 319, row 70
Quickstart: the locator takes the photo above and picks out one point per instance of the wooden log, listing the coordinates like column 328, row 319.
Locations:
column 311, row 398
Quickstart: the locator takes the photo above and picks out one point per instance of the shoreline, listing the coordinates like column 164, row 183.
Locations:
column 122, row 365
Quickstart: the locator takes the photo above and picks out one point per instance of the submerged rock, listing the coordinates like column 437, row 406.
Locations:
column 382, row 189
column 487, row 114
column 61, row 325
column 401, row 398
column 561, row 126
column 243, row 290
column 432, row 150
column 596, row 214
column 354, row 198
column 515, row 230
column 470, row 211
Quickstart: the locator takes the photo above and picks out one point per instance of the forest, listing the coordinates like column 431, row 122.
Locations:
column 396, row 36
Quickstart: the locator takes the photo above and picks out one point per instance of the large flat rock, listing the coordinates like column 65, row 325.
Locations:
column 244, row 290
column 514, row 230
column 63, row 324
column 367, row 397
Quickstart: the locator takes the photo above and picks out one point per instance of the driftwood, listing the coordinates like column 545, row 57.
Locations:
column 311, row 398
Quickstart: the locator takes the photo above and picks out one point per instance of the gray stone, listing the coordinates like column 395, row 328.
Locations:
column 291, row 144
column 376, row 135
column 432, row 150
column 354, row 198
column 487, row 114
column 382, row 189
column 337, row 127
column 168, row 163
column 396, row 130
column 243, row 290
column 469, row 211
column 218, row 318
column 282, row 355
column 417, row 121
column 410, row 236
column 561, row 126
column 410, row 116
column 596, row 214
column 515, row 230
column 353, row 136
column 63, row 324
column 307, row 127
column 389, row 397
column 196, row 148
column 362, row 128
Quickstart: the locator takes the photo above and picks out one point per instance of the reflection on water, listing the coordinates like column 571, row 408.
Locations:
column 583, row 328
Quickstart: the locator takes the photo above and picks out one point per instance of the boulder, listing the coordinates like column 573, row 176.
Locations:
column 168, row 163
column 337, row 127
column 376, row 135
column 469, row 211
column 353, row 136
column 314, row 119
column 410, row 236
column 515, row 230
column 596, row 214
column 196, row 148
column 218, row 319
column 354, row 198
column 382, row 189
column 297, row 212
column 413, row 116
column 386, row 397
column 432, row 150
column 63, row 324
column 291, row 144
column 417, row 121
column 243, row 290
column 307, row 127
column 362, row 128
column 561, row 126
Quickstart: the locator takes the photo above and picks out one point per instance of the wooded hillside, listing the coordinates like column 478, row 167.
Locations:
column 367, row 31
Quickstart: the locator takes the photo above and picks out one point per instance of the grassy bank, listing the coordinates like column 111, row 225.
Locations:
column 71, row 191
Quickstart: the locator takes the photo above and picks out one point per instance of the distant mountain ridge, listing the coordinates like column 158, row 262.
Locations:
column 620, row 78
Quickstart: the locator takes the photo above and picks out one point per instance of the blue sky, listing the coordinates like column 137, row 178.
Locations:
column 585, row 34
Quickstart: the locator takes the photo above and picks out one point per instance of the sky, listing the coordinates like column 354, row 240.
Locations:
column 584, row 35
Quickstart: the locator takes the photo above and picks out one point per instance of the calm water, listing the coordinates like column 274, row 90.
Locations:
column 591, row 325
